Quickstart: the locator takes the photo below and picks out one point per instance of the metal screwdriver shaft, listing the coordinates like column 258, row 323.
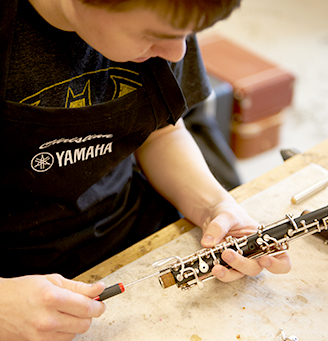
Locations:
column 118, row 288
column 142, row 279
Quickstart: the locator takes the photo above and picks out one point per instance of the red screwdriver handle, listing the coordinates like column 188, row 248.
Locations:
column 110, row 292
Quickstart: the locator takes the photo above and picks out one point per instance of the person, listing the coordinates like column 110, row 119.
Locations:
column 97, row 154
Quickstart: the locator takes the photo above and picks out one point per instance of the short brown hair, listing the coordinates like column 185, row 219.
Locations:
column 202, row 13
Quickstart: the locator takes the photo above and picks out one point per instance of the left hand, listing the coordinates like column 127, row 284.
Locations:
column 228, row 218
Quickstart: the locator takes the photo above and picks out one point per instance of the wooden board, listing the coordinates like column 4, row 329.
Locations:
column 317, row 155
column 249, row 309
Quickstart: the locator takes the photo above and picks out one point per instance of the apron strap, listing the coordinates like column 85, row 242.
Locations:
column 8, row 9
column 169, row 85
column 163, row 88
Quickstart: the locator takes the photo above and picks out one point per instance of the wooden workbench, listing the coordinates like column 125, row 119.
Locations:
column 317, row 155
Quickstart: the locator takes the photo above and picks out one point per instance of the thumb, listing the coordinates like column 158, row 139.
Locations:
column 89, row 290
column 214, row 232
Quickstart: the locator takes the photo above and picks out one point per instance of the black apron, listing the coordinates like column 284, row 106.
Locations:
column 54, row 162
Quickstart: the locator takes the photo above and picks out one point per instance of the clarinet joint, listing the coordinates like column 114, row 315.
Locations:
column 272, row 239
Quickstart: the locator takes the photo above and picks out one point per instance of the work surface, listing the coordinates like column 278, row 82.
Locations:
column 248, row 309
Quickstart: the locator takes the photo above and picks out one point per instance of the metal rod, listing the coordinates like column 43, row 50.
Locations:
column 141, row 279
column 318, row 186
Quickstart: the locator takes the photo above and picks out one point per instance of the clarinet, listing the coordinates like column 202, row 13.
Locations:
column 270, row 239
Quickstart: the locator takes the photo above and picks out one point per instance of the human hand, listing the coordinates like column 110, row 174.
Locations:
column 228, row 218
column 47, row 307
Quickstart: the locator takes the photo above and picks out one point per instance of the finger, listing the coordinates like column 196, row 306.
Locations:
column 279, row 264
column 250, row 267
column 215, row 231
column 73, row 297
column 89, row 290
column 226, row 275
column 62, row 323
column 227, row 217
column 65, row 336
column 68, row 324
column 84, row 304
column 245, row 231
column 79, row 305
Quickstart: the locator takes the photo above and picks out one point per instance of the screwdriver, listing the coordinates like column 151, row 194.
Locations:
column 118, row 288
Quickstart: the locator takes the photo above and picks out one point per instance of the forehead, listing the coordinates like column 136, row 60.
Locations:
column 147, row 21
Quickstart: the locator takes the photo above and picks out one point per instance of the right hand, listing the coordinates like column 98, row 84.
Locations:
column 47, row 307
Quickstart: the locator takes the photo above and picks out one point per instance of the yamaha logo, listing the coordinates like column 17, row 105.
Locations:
column 42, row 162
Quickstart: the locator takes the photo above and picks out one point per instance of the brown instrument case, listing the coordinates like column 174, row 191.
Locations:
column 250, row 139
column 261, row 88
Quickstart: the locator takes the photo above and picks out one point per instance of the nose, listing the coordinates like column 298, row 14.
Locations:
column 172, row 50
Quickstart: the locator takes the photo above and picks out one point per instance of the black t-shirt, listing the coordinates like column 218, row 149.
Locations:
column 71, row 122
column 54, row 68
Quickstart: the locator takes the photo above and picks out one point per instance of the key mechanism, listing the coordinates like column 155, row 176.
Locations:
column 203, row 266
column 272, row 239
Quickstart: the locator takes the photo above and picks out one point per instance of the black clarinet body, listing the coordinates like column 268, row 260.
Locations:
column 270, row 239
